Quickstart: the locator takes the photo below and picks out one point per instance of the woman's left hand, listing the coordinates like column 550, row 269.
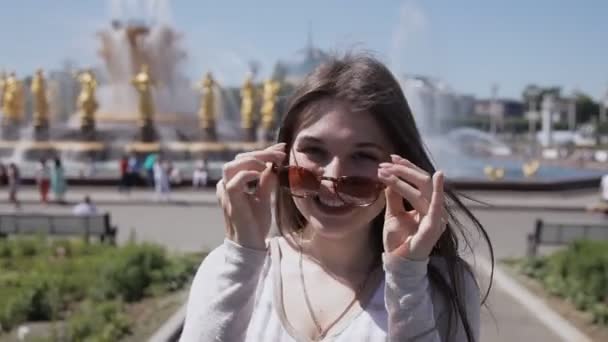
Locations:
column 412, row 234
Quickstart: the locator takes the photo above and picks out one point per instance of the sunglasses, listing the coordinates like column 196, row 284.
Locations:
column 352, row 190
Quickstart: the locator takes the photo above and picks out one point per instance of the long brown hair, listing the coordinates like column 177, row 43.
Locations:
column 367, row 85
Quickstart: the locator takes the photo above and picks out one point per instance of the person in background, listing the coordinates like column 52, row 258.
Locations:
column 43, row 181
column 175, row 174
column 200, row 175
column 85, row 208
column 161, row 179
column 3, row 175
column 132, row 169
column 58, row 182
column 123, row 166
column 149, row 168
column 13, row 184
column 604, row 189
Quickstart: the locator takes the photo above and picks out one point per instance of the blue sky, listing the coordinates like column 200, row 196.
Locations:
column 470, row 43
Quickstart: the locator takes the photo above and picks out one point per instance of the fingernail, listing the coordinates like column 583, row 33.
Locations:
column 383, row 173
column 395, row 157
column 385, row 164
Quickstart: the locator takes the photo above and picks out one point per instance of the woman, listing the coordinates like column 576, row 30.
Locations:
column 368, row 246
column 162, row 185
column 43, row 182
column 13, row 183
column 58, row 183
column 3, row 175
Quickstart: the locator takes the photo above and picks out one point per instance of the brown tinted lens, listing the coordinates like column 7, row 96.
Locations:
column 302, row 182
column 358, row 190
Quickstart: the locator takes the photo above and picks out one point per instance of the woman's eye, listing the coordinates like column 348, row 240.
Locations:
column 313, row 151
column 366, row 156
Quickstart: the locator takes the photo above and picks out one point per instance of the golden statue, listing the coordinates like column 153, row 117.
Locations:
column 269, row 105
column 143, row 84
column 41, row 103
column 206, row 112
column 494, row 173
column 87, row 103
column 530, row 168
column 12, row 99
column 2, row 85
column 247, row 103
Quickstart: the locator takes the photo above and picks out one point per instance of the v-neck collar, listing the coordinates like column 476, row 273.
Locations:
column 276, row 255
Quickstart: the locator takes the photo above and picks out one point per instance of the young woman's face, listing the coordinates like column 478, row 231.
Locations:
column 340, row 143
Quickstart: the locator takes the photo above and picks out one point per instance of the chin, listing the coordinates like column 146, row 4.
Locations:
column 335, row 230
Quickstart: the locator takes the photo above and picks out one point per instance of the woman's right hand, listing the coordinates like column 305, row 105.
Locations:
column 248, row 216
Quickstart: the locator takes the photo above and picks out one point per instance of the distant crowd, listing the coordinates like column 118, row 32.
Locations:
column 152, row 171
column 159, row 173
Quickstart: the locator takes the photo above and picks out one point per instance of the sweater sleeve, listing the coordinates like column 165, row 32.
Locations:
column 222, row 294
column 415, row 312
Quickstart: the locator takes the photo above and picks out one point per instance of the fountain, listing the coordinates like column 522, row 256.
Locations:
column 473, row 158
column 139, row 102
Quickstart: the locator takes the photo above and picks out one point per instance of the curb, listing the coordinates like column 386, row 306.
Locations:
column 171, row 329
column 556, row 323
column 126, row 202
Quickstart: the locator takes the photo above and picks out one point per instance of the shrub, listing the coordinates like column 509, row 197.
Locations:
column 42, row 280
column 128, row 275
column 578, row 273
column 100, row 322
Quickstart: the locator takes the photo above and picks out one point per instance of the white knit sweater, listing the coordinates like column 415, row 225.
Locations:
column 234, row 298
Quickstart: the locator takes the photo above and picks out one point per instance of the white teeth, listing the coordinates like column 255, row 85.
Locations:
column 330, row 202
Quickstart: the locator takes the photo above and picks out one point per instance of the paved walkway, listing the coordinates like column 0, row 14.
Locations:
column 566, row 200
column 192, row 222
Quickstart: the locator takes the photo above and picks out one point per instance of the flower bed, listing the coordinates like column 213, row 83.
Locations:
column 89, row 288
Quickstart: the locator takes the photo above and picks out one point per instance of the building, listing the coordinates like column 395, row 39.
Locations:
column 505, row 108
column 306, row 60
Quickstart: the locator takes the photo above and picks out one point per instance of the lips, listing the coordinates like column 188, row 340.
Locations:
column 331, row 207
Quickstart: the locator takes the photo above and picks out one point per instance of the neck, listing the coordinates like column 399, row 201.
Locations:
column 345, row 256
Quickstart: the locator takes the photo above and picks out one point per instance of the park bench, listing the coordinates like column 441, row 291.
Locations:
column 557, row 234
column 97, row 225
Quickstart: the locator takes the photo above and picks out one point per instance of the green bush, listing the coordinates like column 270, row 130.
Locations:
column 132, row 271
column 578, row 273
column 99, row 322
column 43, row 280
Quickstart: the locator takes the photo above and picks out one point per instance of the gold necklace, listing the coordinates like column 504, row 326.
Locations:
column 323, row 332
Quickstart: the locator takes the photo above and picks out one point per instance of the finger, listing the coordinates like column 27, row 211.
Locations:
column 405, row 190
column 394, row 201
column 234, row 166
column 274, row 156
column 271, row 150
column 221, row 194
column 420, row 179
column 237, row 185
column 268, row 181
column 398, row 159
column 436, row 212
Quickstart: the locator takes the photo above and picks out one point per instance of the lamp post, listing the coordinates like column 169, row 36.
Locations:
column 572, row 111
column 603, row 106
column 494, row 109
column 547, row 108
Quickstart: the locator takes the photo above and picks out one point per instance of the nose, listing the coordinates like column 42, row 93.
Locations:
column 331, row 170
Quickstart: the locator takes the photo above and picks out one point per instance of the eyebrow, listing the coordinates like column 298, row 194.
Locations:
column 363, row 144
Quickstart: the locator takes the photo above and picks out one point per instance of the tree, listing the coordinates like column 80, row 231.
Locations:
column 586, row 108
